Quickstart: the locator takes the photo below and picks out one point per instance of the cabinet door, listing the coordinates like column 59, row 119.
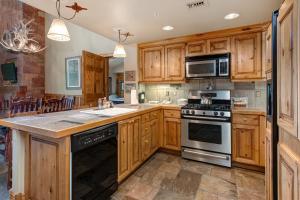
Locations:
column 288, row 182
column 245, row 144
column 154, row 126
column 287, row 67
column 88, row 89
column 134, row 130
column 196, row 48
column 172, row 133
column 152, row 64
column 268, row 49
column 269, row 164
column 123, row 151
column 146, row 146
column 218, row 45
column 174, row 62
column 246, row 57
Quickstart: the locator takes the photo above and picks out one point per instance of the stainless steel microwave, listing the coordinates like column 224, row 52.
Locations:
column 208, row 66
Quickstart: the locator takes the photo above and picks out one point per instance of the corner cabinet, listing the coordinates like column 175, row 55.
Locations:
column 246, row 57
column 162, row 63
column 287, row 75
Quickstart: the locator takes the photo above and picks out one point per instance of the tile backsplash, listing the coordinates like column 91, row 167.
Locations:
column 256, row 92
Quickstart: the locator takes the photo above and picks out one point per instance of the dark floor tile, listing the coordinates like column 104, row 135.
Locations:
column 169, row 195
column 186, row 183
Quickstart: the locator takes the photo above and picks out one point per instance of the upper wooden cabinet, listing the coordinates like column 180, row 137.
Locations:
column 174, row 62
column 218, row 45
column 211, row 46
column 162, row 63
column 268, row 50
column 287, row 72
column 152, row 64
column 196, row 48
column 246, row 57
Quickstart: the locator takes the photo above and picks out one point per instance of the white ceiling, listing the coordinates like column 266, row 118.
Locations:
column 145, row 18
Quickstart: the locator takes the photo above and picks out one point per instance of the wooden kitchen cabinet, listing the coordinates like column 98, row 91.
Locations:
column 245, row 144
column 218, row 45
column 174, row 62
column 248, row 139
column 288, row 174
column 269, row 162
column 162, row 63
column 154, row 126
column 172, row 130
column 287, row 72
column 197, row 48
column 152, row 64
column 246, row 57
column 268, row 50
column 129, row 148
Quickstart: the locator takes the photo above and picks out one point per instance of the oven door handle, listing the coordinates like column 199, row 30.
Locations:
column 200, row 117
column 207, row 155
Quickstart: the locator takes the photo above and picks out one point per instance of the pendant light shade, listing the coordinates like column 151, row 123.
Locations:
column 58, row 31
column 119, row 51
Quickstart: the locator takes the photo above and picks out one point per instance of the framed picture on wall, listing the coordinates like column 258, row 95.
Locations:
column 73, row 73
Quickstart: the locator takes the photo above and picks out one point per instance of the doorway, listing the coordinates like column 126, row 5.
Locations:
column 116, row 80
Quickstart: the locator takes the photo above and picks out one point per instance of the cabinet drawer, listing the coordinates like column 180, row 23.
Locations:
column 146, row 117
column 146, row 128
column 245, row 119
column 154, row 115
column 172, row 113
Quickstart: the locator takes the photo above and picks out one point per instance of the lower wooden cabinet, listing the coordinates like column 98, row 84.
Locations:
column 246, row 144
column 138, row 139
column 129, row 148
column 248, row 139
column 269, row 164
column 288, row 174
column 172, row 130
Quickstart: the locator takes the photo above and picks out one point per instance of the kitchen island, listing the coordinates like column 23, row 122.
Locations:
column 42, row 147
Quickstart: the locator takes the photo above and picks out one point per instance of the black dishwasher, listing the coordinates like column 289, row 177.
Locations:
column 94, row 162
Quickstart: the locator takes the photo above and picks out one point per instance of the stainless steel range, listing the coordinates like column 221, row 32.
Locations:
column 206, row 127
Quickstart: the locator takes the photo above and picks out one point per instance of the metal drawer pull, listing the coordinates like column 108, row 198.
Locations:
column 207, row 155
column 198, row 117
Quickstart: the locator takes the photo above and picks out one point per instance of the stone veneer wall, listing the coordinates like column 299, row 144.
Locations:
column 31, row 69
column 256, row 92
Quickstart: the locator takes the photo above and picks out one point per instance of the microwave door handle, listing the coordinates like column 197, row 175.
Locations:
column 207, row 155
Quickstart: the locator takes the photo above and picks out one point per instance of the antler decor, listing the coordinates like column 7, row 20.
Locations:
column 20, row 39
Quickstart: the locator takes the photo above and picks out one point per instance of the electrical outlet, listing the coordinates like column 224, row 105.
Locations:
column 258, row 93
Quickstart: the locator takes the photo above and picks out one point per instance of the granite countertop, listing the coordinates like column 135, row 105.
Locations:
column 249, row 110
column 61, row 124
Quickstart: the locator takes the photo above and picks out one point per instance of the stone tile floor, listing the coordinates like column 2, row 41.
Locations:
column 168, row 177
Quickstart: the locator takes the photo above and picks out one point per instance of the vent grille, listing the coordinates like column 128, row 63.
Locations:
column 195, row 4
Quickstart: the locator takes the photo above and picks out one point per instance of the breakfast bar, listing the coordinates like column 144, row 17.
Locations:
column 42, row 147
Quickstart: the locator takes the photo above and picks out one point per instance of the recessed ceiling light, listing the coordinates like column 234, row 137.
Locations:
column 231, row 16
column 168, row 28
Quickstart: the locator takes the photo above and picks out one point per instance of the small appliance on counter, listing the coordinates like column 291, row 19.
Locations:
column 142, row 97
column 206, row 127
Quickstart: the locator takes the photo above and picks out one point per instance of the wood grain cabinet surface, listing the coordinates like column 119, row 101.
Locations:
column 268, row 50
column 174, row 62
column 269, row 162
column 246, row 57
column 197, row 48
column 248, row 139
column 172, row 130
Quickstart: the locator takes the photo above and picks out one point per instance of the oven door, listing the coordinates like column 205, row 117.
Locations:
column 198, row 69
column 206, row 135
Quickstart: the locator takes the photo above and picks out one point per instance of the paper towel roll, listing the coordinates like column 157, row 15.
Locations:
column 133, row 97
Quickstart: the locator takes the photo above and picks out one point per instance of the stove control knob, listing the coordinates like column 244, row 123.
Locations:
column 222, row 114
column 216, row 113
column 203, row 113
column 192, row 112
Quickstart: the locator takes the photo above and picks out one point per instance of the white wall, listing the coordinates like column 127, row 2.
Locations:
column 131, row 64
column 56, row 52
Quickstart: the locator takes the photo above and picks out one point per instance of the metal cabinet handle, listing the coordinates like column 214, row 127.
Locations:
column 207, row 155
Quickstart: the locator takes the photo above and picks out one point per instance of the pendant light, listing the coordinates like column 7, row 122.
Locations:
column 58, row 30
column 119, row 51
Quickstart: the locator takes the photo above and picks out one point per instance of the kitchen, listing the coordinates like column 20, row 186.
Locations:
column 210, row 106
